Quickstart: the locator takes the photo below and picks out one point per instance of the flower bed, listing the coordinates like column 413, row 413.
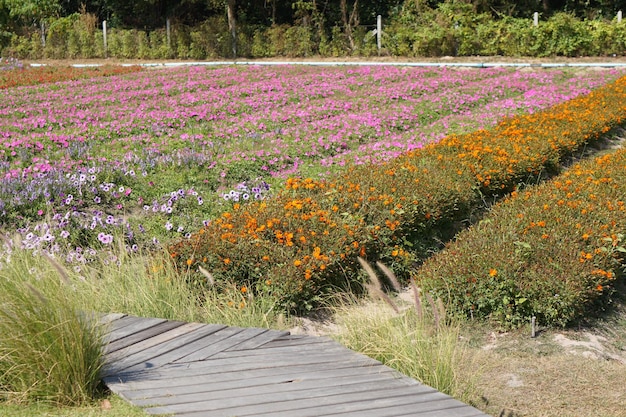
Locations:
column 552, row 251
column 15, row 74
column 144, row 158
column 307, row 237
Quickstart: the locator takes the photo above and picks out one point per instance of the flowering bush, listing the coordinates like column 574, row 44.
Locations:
column 307, row 238
column 552, row 251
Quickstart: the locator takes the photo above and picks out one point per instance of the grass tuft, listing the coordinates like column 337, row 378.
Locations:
column 50, row 352
column 419, row 342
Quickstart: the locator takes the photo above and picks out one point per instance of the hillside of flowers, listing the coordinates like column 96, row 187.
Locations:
column 552, row 251
column 277, row 177
column 143, row 158
column 307, row 237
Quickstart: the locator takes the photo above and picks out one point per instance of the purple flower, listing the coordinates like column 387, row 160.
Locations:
column 105, row 238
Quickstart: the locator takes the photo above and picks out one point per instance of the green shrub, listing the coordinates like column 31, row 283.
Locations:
column 129, row 44
column 552, row 251
column 299, row 41
column 563, row 35
column 58, row 36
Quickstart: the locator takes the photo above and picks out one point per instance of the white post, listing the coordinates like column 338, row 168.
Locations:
column 536, row 19
column 379, row 30
column 167, row 30
column 43, row 33
column 619, row 17
column 104, row 36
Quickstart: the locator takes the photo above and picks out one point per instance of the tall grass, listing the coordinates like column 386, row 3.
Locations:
column 150, row 285
column 50, row 343
column 413, row 337
column 49, row 352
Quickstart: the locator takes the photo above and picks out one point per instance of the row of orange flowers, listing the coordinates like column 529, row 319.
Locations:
column 552, row 251
column 51, row 74
column 307, row 238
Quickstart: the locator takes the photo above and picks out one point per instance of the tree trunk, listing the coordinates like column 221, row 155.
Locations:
column 232, row 25
column 349, row 21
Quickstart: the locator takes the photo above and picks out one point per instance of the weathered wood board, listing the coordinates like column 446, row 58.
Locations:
column 193, row 369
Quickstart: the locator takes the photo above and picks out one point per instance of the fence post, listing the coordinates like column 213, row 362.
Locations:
column 536, row 19
column 379, row 30
column 104, row 36
column 167, row 30
column 619, row 16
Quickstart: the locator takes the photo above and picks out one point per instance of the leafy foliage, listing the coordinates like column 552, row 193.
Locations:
column 552, row 251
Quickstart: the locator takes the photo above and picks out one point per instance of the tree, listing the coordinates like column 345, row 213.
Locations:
column 33, row 12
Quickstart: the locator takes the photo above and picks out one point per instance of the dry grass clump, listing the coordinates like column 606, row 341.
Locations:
column 415, row 338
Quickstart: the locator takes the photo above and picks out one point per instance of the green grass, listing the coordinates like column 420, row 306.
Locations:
column 50, row 351
column 116, row 407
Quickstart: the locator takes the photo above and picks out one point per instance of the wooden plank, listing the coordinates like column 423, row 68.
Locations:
column 236, row 338
column 177, row 348
column 237, row 364
column 189, row 374
column 262, row 352
column 462, row 411
column 213, row 370
column 298, row 388
column 129, row 325
column 141, row 334
column 108, row 318
column 260, row 340
column 450, row 407
column 288, row 402
column 132, row 355
column 339, row 404
column 295, row 340
column 228, row 381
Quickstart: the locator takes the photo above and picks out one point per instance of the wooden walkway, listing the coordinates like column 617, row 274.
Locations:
column 191, row 369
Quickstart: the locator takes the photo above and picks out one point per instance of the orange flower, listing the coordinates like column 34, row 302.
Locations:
column 244, row 289
column 226, row 261
column 493, row 272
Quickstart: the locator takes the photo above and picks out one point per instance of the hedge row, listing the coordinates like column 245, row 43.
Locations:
column 307, row 238
column 552, row 251
column 439, row 32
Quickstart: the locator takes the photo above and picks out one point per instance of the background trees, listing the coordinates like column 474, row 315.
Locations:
column 226, row 28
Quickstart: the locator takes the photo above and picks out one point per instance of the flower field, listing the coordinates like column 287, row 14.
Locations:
column 277, row 177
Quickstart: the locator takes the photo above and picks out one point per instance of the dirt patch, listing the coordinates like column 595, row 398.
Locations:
column 591, row 346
